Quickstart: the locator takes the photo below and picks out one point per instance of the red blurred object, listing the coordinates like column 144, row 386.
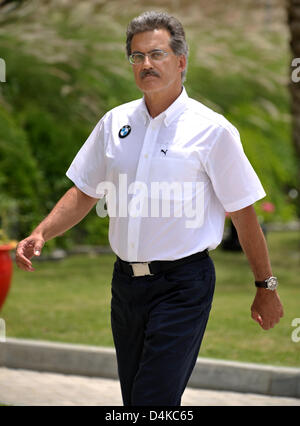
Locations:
column 6, row 271
column 268, row 207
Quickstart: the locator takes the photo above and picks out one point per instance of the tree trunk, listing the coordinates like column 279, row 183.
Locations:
column 294, row 24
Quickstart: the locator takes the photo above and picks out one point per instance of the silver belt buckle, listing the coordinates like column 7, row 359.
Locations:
column 140, row 269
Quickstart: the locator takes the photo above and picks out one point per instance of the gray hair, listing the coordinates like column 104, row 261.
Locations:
column 150, row 21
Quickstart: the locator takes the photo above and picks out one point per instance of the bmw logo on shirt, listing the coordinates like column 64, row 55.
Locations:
column 124, row 131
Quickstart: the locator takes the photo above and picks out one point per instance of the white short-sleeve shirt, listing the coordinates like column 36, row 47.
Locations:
column 167, row 181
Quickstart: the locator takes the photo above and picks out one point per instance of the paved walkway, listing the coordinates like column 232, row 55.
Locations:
column 25, row 387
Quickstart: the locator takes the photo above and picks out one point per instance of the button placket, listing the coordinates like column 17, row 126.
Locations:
column 142, row 175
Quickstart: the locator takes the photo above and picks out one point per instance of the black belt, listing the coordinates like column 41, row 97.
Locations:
column 138, row 269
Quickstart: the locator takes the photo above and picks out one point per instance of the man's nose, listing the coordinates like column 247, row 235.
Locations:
column 147, row 63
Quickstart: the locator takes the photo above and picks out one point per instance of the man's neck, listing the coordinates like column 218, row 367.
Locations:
column 159, row 101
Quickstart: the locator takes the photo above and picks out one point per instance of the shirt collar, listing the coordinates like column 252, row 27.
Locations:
column 172, row 112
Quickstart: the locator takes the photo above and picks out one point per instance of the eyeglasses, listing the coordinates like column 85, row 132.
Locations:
column 155, row 55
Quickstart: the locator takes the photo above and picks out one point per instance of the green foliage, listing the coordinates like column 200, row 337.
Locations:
column 21, row 194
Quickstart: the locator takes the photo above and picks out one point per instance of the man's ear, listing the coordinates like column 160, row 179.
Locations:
column 182, row 63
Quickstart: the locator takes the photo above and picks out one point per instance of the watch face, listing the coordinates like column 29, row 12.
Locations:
column 272, row 283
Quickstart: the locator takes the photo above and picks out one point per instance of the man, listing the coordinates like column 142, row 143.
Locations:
column 163, row 279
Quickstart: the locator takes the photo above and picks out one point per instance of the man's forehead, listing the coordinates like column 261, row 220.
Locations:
column 156, row 38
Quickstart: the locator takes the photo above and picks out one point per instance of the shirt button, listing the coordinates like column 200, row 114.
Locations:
column 146, row 155
column 132, row 245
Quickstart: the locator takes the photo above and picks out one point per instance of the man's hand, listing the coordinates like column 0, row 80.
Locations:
column 26, row 249
column 266, row 309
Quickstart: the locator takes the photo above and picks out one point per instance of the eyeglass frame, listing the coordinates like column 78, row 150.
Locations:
column 149, row 56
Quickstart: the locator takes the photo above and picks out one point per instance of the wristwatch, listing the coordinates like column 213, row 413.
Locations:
column 270, row 283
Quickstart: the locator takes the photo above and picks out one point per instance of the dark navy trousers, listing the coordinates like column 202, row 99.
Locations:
column 158, row 324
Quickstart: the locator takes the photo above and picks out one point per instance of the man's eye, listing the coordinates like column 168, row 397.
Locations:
column 138, row 57
column 157, row 55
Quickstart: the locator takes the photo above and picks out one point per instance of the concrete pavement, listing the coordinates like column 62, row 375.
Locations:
column 95, row 361
column 26, row 387
column 47, row 373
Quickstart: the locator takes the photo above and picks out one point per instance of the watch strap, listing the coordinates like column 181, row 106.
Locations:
column 261, row 284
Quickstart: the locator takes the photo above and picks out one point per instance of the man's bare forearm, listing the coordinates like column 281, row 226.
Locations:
column 70, row 210
column 253, row 242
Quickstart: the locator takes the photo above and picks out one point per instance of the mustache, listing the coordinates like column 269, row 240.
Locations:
column 145, row 73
